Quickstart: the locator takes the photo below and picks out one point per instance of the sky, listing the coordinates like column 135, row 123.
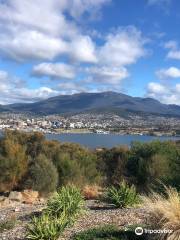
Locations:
column 55, row 47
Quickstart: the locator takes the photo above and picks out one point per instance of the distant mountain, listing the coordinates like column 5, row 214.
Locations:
column 94, row 102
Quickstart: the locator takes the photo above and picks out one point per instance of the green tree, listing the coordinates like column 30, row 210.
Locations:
column 42, row 175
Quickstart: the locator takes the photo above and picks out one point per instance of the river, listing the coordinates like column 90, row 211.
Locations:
column 92, row 140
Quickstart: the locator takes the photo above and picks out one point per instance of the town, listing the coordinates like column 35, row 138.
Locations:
column 93, row 123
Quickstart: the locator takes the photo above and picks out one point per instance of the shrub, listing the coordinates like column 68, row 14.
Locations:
column 45, row 228
column 13, row 164
column 76, row 165
column 122, row 196
column 42, row 175
column 62, row 210
column 165, row 212
column 91, row 192
column 68, row 202
column 151, row 162
column 107, row 232
column 113, row 164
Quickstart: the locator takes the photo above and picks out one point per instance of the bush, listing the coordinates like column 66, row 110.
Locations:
column 151, row 162
column 91, row 192
column 107, row 232
column 113, row 164
column 42, row 175
column 13, row 164
column 45, row 228
column 68, row 202
column 165, row 212
column 76, row 165
column 122, row 196
column 61, row 211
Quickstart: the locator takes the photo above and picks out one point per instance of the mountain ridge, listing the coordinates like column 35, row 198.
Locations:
column 82, row 102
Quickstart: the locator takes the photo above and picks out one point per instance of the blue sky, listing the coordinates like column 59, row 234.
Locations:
column 71, row 46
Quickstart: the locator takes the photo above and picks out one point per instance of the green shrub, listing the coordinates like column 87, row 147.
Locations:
column 68, row 202
column 107, row 232
column 46, row 228
column 76, row 165
column 122, row 196
column 42, row 175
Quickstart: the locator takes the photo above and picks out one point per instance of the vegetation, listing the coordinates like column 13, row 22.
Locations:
column 107, row 232
column 42, row 175
column 165, row 212
column 45, row 228
column 67, row 202
column 27, row 158
column 122, row 196
column 8, row 224
column 61, row 211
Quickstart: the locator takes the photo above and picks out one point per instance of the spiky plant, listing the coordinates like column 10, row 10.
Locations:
column 122, row 196
column 46, row 228
column 67, row 202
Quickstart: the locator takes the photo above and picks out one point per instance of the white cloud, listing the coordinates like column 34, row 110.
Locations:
column 123, row 47
column 14, row 90
column 171, row 72
column 32, row 45
column 174, row 50
column 165, row 94
column 78, row 7
column 54, row 70
column 83, row 49
column 107, row 75
column 32, row 30
column 71, row 87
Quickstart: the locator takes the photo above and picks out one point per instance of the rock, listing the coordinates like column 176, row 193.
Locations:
column 15, row 196
column 2, row 198
column 17, row 209
column 5, row 202
column 29, row 196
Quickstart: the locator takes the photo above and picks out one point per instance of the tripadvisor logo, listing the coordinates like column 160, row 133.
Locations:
column 139, row 231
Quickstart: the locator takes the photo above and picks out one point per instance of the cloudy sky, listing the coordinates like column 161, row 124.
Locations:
column 54, row 47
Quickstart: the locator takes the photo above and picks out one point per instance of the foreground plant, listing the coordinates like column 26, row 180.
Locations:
column 46, row 228
column 61, row 211
column 68, row 202
column 122, row 196
column 165, row 212
column 107, row 232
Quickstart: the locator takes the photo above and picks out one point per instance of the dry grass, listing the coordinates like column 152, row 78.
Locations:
column 91, row 192
column 165, row 212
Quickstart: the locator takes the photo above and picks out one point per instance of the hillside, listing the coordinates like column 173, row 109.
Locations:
column 91, row 102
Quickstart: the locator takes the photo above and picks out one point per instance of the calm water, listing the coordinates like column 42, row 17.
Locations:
column 92, row 140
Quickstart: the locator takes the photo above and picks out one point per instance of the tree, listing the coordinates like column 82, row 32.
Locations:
column 42, row 175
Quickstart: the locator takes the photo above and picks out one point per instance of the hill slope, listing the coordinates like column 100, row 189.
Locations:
column 83, row 102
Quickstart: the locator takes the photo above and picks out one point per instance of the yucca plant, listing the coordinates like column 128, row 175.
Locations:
column 46, row 228
column 67, row 203
column 122, row 196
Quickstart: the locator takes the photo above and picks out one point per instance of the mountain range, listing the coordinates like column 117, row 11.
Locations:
column 94, row 102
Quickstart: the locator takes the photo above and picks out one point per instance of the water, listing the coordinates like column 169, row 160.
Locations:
column 92, row 140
